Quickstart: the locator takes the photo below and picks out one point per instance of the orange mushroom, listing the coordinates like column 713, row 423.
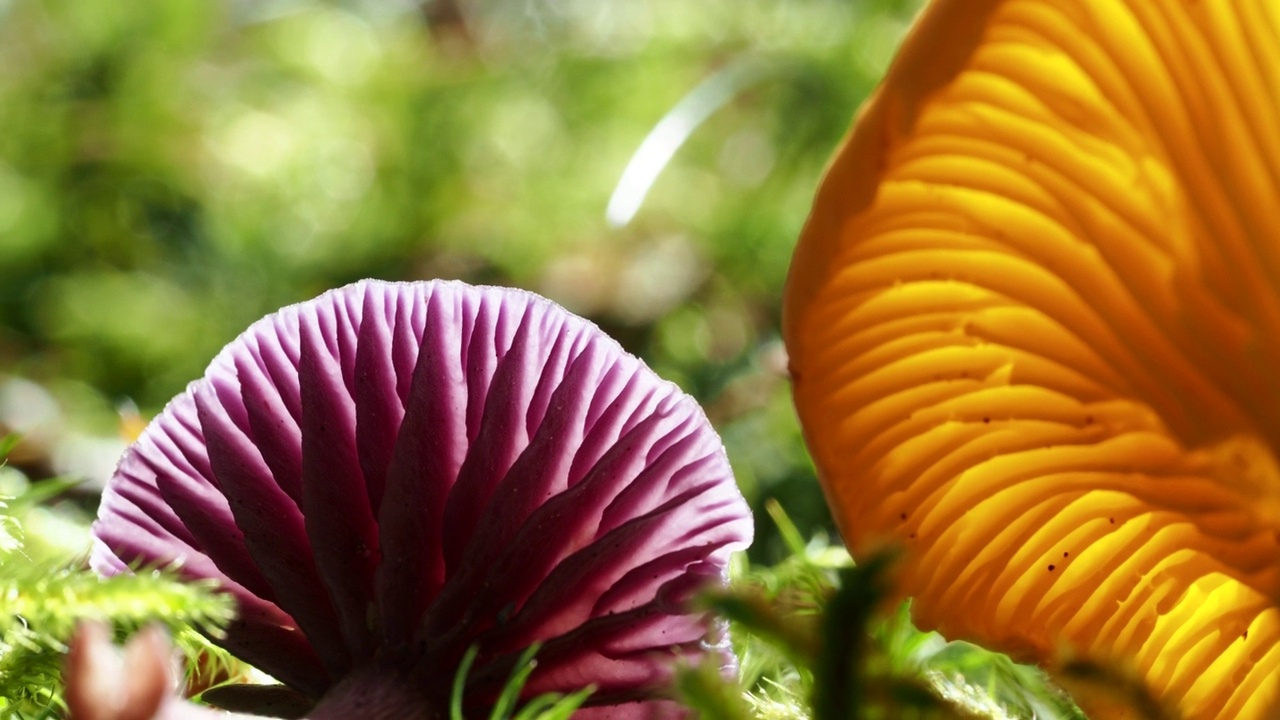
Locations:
column 1034, row 328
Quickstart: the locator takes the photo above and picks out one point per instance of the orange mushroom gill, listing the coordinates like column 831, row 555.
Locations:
column 1034, row 329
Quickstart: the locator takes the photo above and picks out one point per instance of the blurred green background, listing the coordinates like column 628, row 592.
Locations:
column 171, row 170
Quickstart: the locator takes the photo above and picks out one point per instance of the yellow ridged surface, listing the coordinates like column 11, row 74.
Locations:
column 1034, row 331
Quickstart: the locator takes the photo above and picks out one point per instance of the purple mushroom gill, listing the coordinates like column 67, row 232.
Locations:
column 393, row 472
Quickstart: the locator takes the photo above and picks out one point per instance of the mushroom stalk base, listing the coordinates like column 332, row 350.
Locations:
column 377, row 693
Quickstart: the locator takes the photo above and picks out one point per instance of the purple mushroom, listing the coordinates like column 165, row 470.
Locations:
column 392, row 473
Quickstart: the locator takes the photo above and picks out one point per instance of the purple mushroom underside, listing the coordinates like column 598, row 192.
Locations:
column 392, row 473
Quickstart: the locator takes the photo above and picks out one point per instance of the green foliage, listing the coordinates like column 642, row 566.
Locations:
column 43, row 597
column 819, row 639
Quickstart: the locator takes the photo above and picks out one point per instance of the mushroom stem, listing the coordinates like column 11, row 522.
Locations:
column 378, row 693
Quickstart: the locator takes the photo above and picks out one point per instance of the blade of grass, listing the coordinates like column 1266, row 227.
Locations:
column 511, row 691
column 460, row 682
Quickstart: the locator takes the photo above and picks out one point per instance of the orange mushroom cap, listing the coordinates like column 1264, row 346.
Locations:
column 1034, row 329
